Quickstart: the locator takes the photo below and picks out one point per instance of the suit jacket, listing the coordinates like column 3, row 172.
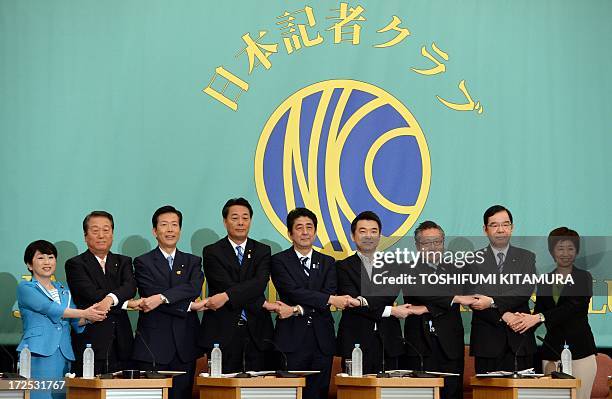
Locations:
column 357, row 325
column 312, row 293
column 90, row 285
column 169, row 330
column 44, row 329
column 567, row 320
column 245, row 286
column 490, row 334
column 444, row 316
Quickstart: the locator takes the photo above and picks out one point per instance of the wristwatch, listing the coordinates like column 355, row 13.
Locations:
column 163, row 298
column 493, row 305
column 542, row 318
column 296, row 311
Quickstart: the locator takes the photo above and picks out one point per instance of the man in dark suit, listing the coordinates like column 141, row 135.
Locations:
column 98, row 276
column 372, row 319
column 492, row 342
column 237, row 270
column 306, row 281
column 168, row 281
column 434, row 325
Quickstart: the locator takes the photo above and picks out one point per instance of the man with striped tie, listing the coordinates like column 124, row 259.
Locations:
column 306, row 280
column 236, row 313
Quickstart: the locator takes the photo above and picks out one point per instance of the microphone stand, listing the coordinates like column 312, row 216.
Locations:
column 382, row 373
column 150, row 374
column 107, row 375
column 284, row 373
column 516, row 374
column 421, row 373
column 244, row 373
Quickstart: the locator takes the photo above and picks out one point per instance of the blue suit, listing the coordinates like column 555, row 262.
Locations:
column 45, row 332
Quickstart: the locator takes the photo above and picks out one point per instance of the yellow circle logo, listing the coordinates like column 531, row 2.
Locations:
column 340, row 147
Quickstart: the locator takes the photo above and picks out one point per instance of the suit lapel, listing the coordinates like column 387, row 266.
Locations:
column 41, row 288
column 229, row 252
column 246, row 259
column 161, row 263
column 178, row 267
column 295, row 267
column 315, row 270
column 95, row 270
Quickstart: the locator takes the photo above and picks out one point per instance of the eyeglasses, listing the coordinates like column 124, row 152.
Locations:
column 504, row 225
column 432, row 243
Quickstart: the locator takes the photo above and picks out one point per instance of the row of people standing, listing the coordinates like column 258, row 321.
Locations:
column 237, row 315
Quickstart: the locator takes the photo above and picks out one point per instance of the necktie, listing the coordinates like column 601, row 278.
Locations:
column 103, row 266
column 500, row 263
column 240, row 256
column 170, row 261
column 304, row 262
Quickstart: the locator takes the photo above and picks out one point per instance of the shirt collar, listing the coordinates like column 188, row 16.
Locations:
column 234, row 245
column 173, row 254
column 300, row 256
column 503, row 250
column 100, row 260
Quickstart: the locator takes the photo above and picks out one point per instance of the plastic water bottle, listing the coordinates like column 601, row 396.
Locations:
column 88, row 362
column 357, row 361
column 215, row 364
column 25, row 360
column 566, row 359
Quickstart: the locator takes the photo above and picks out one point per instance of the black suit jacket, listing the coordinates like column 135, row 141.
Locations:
column 169, row 329
column 357, row 324
column 444, row 316
column 490, row 334
column 245, row 286
column 294, row 288
column 89, row 285
column 567, row 320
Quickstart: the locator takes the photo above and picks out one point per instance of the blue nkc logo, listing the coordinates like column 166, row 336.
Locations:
column 340, row 147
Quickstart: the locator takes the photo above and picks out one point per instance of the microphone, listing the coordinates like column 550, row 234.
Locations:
column 559, row 374
column 421, row 373
column 284, row 373
column 107, row 375
column 154, row 373
column 14, row 375
column 382, row 373
column 244, row 373
column 516, row 374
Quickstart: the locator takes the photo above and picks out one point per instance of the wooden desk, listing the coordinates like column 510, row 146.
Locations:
column 95, row 388
column 523, row 388
column 246, row 388
column 8, row 391
column 370, row 387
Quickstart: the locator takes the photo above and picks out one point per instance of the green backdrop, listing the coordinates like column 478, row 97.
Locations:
column 102, row 108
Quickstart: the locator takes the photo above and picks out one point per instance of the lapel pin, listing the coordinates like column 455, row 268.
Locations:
column 178, row 272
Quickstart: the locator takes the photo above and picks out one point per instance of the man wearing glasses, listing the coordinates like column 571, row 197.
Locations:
column 434, row 325
column 493, row 343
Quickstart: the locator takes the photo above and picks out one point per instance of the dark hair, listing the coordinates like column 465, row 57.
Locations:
column 366, row 215
column 92, row 214
column 493, row 210
column 299, row 212
column 42, row 246
column 236, row 201
column 563, row 234
column 167, row 209
column 428, row 224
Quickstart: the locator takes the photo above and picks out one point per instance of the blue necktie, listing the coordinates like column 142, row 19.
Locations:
column 170, row 261
column 240, row 256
